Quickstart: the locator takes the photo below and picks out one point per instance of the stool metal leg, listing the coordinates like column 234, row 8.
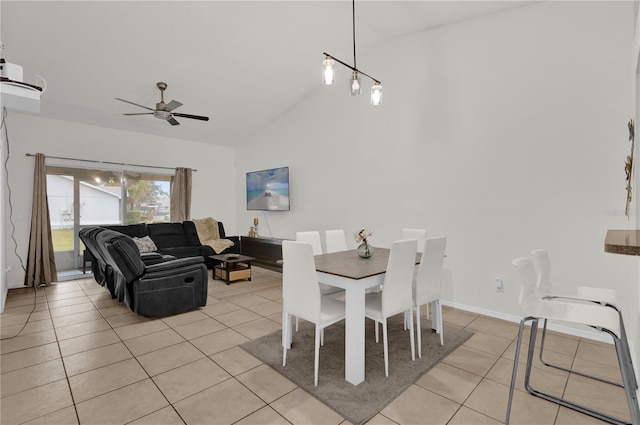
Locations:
column 515, row 369
column 626, row 378
column 566, row 369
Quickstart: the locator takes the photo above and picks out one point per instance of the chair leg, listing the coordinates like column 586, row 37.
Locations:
column 386, row 347
column 419, row 332
column 626, row 378
column 322, row 337
column 440, row 325
column 376, row 329
column 515, row 369
column 413, row 343
column 285, row 337
column 566, row 369
column 317, row 356
column 627, row 351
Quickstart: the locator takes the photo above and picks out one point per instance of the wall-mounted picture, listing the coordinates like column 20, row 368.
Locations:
column 268, row 190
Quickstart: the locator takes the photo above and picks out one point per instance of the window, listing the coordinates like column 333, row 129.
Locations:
column 83, row 197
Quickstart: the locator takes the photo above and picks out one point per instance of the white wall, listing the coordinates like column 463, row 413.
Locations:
column 211, row 197
column 505, row 133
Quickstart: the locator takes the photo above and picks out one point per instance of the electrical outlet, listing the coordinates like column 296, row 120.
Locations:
column 499, row 285
column 9, row 268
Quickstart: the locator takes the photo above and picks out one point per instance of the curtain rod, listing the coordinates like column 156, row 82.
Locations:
column 108, row 162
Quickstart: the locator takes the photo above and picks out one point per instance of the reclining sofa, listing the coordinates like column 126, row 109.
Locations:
column 178, row 239
column 163, row 286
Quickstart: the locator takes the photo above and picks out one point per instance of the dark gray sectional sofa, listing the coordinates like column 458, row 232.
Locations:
column 178, row 239
column 168, row 286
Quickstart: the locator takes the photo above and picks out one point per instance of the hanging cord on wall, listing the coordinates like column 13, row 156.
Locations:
column 264, row 214
column 3, row 125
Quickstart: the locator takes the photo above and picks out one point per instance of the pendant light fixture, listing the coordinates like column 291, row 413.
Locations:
column 355, row 85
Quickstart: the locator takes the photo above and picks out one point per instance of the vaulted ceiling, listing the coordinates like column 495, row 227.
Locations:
column 242, row 63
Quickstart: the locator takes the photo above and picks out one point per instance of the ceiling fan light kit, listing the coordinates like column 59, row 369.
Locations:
column 355, row 86
column 164, row 111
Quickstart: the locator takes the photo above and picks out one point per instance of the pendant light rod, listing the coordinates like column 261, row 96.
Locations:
column 353, row 14
column 353, row 68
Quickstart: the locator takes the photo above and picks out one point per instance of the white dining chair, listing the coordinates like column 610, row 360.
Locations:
column 301, row 297
column 604, row 319
column 312, row 237
column 604, row 296
column 396, row 296
column 418, row 234
column 427, row 286
column 335, row 240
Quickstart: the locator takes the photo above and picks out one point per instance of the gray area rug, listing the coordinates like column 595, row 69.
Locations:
column 356, row 403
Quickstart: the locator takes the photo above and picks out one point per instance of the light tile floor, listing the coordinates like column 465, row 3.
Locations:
column 85, row 358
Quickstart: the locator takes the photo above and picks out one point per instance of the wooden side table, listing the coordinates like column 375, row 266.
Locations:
column 233, row 267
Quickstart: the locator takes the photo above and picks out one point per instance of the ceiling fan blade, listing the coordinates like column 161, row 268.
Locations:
column 173, row 121
column 141, row 113
column 195, row 117
column 126, row 101
column 174, row 104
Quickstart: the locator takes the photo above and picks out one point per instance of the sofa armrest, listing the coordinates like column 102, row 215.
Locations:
column 150, row 258
column 236, row 244
column 173, row 264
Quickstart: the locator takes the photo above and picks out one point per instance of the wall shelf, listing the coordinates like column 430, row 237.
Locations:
column 625, row 242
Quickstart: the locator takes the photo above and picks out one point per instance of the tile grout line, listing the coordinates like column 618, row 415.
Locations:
column 137, row 361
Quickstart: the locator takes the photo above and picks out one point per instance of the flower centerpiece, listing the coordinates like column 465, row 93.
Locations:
column 364, row 250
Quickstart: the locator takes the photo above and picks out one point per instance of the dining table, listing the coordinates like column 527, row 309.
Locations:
column 356, row 275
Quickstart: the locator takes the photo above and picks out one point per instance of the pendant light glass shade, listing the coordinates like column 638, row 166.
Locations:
column 376, row 94
column 328, row 73
column 354, row 84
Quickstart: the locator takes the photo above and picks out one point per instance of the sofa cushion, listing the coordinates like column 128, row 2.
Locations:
column 183, row 251
column 138, row 230
column 145, row 244
column 191, row 233
column 126, row 255
column 168, row 235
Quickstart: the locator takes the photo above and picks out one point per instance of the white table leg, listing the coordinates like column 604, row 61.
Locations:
column 354, row 321
column 354, row 334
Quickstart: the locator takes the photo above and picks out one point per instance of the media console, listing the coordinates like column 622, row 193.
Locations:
column 266, row 251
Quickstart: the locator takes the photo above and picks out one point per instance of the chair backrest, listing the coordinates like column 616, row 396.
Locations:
column 300, row 288
column 335, row 240
column 312, row 237
column 87, row 236
column 544, row 270
column 397, row 292
column 418, row 234
column 530, row 299
column 428, row 280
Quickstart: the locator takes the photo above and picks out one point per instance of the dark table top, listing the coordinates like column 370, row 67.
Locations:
column 232, row 258
column 348, row 264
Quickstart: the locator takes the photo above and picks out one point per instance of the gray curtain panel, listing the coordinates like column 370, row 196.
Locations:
column 181, row 195
column 41, row 264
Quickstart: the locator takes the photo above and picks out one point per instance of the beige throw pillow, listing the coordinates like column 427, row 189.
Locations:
column 145, row 244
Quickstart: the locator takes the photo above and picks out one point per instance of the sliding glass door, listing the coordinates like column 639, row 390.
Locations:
column 82, row 197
